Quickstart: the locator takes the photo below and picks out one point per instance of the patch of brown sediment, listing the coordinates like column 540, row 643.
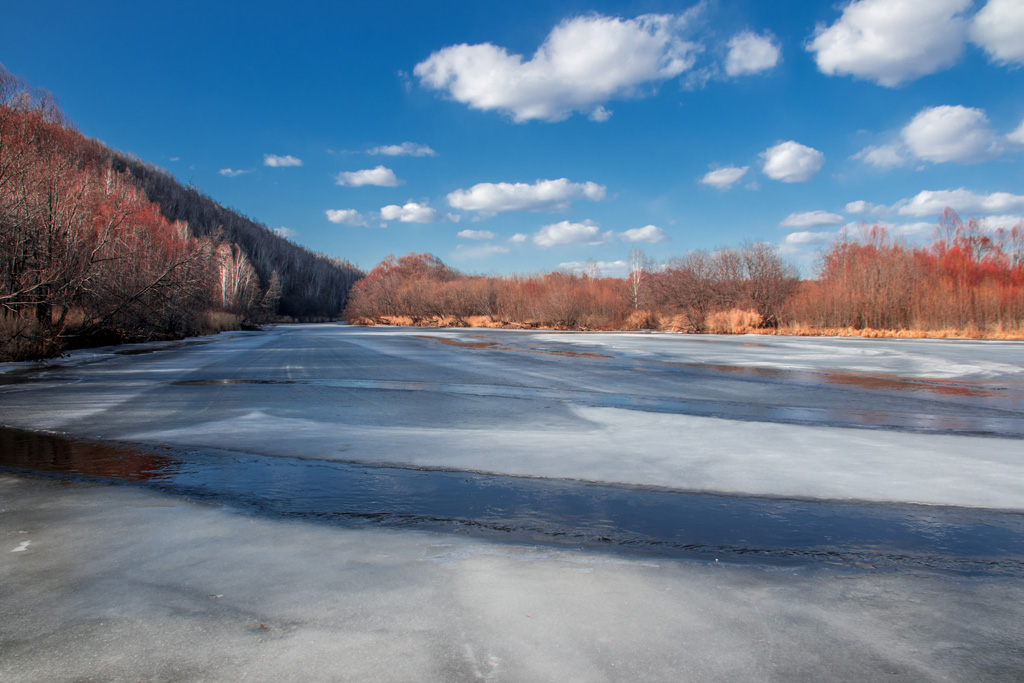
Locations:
column 461, row 344
column 499, row 347
column 567, row 354
column 873, row 381
column 57, row 454
column 897, row 383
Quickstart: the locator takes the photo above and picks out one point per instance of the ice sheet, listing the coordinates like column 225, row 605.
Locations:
column 126, row 584
column 664, row 410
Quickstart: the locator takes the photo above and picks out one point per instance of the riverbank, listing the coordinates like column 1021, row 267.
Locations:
column 741, row 322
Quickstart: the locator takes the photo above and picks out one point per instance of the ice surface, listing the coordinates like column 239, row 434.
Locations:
column 127, row 584
column 865, row 419
column 124, row 583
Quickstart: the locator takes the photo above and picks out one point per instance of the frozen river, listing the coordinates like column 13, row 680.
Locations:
column 738, row 508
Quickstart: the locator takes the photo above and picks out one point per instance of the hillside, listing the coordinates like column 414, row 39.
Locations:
column 99, row 247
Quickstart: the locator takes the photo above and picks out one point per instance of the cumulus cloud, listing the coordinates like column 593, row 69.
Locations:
column 993, row 223
column 750, row 53
column 544, row 195
column 345, row 217
column 811, row 219
column 806, row 237
column 232, row 172
column 724, row 178
column 918, row 229
column 477, row 234
column 583, row 63
column 942, row 134
column 950, row 133
column 406, row 149
column 1017, row 136
column 597, row 268
column 892, row 42
column 566, row 233
column 478, row 251
column 883, row 156
column 285, row 232
column 998, row 28
column 278, row 161
column 648, row 233
column 792, row 162
column 518, row 238
column 410, row 212
column 380, row 176
column 933, row 202
column 867, row 208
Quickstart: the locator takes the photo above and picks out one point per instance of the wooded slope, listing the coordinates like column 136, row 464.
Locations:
column 97, row 247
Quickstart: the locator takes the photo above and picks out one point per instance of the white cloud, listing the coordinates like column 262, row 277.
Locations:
column 811, row 219
column 544, row 195
column 599, row 114
column 919, row 229
column 277, row 161
column 883, row 156
column 792, row 162
column 862, row 207
column 518, row 238
column 998, row 29
column 406, row 149
column 584, row 62
column 933, row 202
column 750, row 53
column 411, row 212
column 565, row 233
column 285, row 232
column 478, row 251
column 477, row 234
column 892, row 41
column 1017, row 136
column 805, row 237
column 648, row 233
column 724, row 178
column 345, row 217
column 950, row 133
column 231, row 172
column 598, row 268
column 993, row 223
column 380, row 176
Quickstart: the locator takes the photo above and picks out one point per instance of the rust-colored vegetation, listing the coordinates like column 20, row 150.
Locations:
column 965, row 284
column 87, row 257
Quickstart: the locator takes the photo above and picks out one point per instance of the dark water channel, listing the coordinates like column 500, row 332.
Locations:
column 548, row 511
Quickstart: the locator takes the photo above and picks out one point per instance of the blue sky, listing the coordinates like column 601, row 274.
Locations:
column 531, row 136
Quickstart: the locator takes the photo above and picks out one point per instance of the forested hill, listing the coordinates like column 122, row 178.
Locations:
column 313, row 285
column 98, row 247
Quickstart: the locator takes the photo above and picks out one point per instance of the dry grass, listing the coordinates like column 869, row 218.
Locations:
column 734, row 321
column 677, row 323
column 220, row 321
column 993, row 332
column 643, row 320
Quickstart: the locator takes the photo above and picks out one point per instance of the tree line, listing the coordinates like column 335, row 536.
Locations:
column 966, row 282
column 686, row 293
column 96, row 247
